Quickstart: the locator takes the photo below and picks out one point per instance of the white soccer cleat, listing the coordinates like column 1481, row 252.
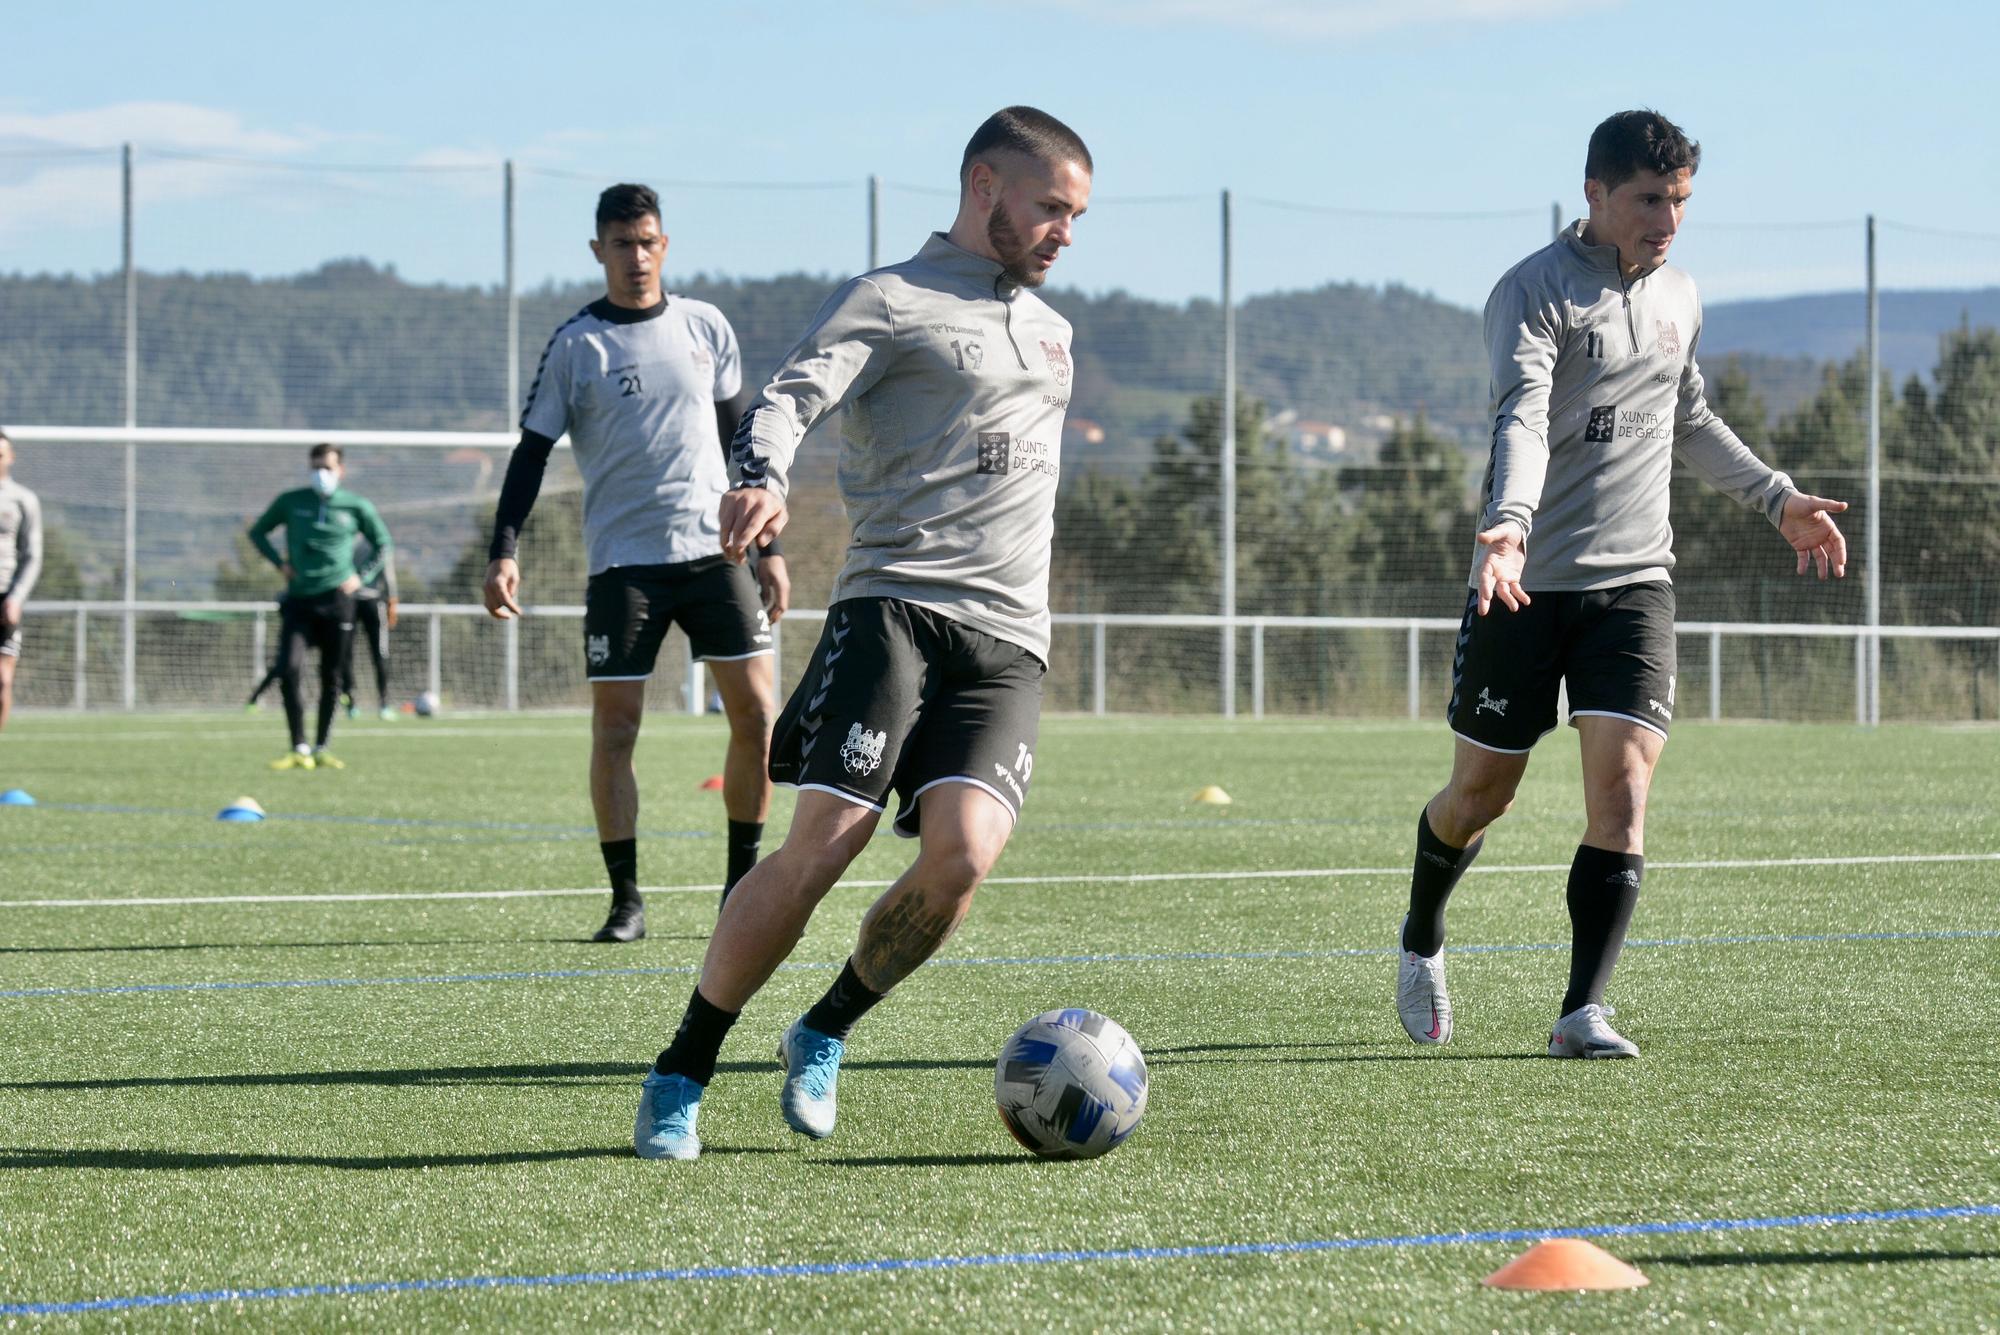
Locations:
column 1421, row 998
column 1585, row 1033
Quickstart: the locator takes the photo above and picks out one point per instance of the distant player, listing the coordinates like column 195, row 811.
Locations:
column 20, row 567
column 1592, row 346
column 927, row 681
column 321, row 523
column 375, row 606
column 645, row 384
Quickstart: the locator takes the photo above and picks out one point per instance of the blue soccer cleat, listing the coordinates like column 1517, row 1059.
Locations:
column 668, row 1107
column 812, row 1075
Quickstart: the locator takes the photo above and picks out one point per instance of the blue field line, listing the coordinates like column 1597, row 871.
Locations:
column 327, row 818
column 989, row 961
column 891, row 1265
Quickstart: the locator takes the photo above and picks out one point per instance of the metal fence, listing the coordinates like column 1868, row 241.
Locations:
column 1301, row 443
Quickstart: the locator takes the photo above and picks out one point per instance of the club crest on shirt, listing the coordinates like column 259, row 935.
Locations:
column 1670, row 338
column 1058, row 356
column 862, row 751
column 993, row 456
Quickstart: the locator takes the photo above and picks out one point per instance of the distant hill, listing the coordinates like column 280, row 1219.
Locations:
column 1833, row 326
column 352, row 345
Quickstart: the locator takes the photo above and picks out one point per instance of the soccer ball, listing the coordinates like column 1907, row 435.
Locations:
column 427, row 704
column 1071, row 1084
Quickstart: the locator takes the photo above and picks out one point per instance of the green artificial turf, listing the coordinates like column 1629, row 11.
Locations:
column 170, row 1141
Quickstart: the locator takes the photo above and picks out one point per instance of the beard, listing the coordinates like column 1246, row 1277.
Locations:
column 1016, row 257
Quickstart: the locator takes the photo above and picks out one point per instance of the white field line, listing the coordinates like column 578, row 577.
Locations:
column 1133, row 878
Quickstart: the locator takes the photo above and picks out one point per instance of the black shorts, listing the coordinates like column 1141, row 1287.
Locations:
column 1612, row 648
column 325, row 621
column 10, row 642
column 901, row 697
column 627, row 609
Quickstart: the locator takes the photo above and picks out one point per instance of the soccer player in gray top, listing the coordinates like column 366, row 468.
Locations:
column 20, row 567
column 927, row 681
column 645, row 384
column 1592, row 346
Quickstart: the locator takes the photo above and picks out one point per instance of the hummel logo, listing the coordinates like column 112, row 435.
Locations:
column 1437, row 859
column 1625, row 877
column 1486, row 701
column 1660, row 709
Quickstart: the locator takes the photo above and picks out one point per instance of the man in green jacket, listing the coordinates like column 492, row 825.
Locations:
column 321, row 522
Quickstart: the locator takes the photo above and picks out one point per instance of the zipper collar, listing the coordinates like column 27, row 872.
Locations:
column 942, row 253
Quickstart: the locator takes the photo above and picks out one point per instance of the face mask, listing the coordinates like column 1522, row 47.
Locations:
column 324, row 481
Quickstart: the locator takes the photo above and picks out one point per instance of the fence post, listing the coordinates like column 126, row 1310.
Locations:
column 694, row 685
column 513, row 405
column 434, row 672
column 1228, row 470
column 81, row 685
column 874, row 222
column 1861, row 643
column 1097, row 667
column 1416, row 670
column 259, row 646
column 1555, row 220
column 513, row 664
column 1873, row 684
column 129, row 676
column 1715, row 676
column 1256, row 669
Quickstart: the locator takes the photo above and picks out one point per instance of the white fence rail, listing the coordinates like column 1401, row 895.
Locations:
column 428, row 620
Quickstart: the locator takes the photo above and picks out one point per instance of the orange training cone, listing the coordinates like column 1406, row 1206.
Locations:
column 712, row 784
column 1565, row 1263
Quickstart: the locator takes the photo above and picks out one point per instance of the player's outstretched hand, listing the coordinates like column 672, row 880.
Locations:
column 775, row 583
column 1807, row 524
column 503, row 588
column 1502, row 555
column 747, row 514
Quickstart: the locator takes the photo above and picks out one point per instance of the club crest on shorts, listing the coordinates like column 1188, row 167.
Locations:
column 597, row 648
column 862, row 751
column 1058, row 356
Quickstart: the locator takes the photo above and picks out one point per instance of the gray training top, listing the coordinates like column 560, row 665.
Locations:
column 955, row 380
column 20, row 540
column 636, row 393
column 1595, row 389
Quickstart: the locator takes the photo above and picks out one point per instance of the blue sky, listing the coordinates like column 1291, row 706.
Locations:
column 1811, row 116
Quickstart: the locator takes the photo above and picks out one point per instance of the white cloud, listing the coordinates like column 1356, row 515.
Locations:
column 173, row 125
column 1319, row 19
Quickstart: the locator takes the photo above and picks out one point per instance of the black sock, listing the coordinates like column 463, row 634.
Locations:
column 697, row 1041
column 1603, row 890
column 621, row 864
column 836, row 1013
column 744, row 837
column 1438, row 868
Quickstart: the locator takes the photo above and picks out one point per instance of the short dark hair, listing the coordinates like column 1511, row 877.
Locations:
column 327, row 450
column 1638, row 141
column 626, row 203
column 1027, row 131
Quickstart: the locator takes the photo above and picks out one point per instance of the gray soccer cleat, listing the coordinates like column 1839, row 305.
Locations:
column 812, row 1077
column 1585, row 1033
column 1421, row 999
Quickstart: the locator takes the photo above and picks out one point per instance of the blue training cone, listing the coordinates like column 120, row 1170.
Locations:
column 17, row 797
column 242, row 809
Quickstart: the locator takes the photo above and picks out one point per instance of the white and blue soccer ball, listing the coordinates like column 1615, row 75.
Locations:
column 427, row 704
column 1071, row 1084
